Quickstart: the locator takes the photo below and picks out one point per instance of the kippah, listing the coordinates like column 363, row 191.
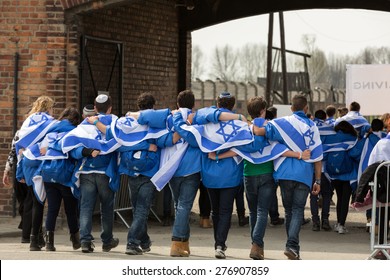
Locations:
column 89, row 110
column 101, row 98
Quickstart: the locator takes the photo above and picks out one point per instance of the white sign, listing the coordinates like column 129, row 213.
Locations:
column 283, row 110
column 369, row 85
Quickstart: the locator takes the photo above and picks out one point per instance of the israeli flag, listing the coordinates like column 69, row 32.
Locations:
column 89, row 136
column 128, row 132
column 170, row 159
column 212, row 137
column 33, row 129
column 354, row 118
column 324, row 128
column 366, row 152
column 299, row 136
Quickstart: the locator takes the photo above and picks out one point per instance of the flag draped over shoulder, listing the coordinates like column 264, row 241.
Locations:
column 170, row 159
column 381, row 151
column 299, row 136
column 354, row 118
column 128, row 132
column 213, row 137
column 324, row 128
column 34, row 128
column 89, row 136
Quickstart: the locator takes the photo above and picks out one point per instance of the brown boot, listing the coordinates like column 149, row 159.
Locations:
column 178, row 249
column 207, row 223
column 257, row 252
column 187, row 247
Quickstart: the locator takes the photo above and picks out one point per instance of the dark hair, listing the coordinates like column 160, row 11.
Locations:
column 320, row 114
column 354, row 107
column 377, row 125
column 255, row 105
column 186, row 99
column 273, row 110
column 227, row 101
column 269, row 115
column 146, row 101
column 330, row 110
column 103, row 107
column 298, row 102
column 346, row 127
column 71, row 114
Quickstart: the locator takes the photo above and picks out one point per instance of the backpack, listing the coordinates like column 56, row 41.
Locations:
column 338, row 163
column 140, row 161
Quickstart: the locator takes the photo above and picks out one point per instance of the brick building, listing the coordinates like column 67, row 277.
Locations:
column 72, row 49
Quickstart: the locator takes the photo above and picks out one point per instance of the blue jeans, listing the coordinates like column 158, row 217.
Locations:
column 184, row 190
column 91, row 186
column 326, row 194
column 222, row 207
column 294, row 197
column 259, row 192
column 142, row 194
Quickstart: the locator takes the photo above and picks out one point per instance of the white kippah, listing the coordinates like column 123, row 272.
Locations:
column 101, row 98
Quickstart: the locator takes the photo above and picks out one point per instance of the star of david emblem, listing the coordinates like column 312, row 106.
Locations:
column 309, row 135
column 128, row 122
column 319, row 124
column 98, row 137
column 228, row 130
column 39, row 119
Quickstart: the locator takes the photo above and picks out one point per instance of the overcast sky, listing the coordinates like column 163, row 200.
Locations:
column 343, row 31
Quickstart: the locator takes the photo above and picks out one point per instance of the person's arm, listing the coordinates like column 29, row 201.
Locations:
column 215, row 156
column 99, row 125
column 225, row 116
column 317, row 176
column 305, row 155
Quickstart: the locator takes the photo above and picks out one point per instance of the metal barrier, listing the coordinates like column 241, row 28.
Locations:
column 123, row 201
column 383, row 218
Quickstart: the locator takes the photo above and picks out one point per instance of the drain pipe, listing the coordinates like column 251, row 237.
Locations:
column 15, row 124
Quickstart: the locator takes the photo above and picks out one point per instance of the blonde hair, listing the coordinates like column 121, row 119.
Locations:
column 42, row 104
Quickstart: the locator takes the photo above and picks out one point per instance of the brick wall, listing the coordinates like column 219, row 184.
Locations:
column 47, row 38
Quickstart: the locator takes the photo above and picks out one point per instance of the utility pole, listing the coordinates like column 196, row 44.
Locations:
column 283, row 59
column 269, row 58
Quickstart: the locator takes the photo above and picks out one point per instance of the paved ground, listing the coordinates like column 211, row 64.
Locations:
column 314, row 245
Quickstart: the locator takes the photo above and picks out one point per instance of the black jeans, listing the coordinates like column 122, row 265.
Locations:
column 222, row 207
column 343, row 192
column 204, row 202
column 37, row 213
column 55, row 193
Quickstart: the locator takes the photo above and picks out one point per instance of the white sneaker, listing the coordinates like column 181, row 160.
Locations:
column 336, row 227
column 342, row 229
column 220, row 253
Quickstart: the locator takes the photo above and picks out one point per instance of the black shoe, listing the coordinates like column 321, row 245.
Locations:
column 278, row 222
column 133, row 250
column 87, row 247
column 243, row 221
column 146, row 247
column 112, row 244
column 292, row 254
column 25, row 240
column 326, row 226
column 316, row 226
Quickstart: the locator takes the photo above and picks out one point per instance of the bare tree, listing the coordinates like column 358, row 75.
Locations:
column 224, row 63
column 197, row 66
column 253, row 62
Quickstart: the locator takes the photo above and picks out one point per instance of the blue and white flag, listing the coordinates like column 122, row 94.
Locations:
column 128, row 132
column 324, row 128
column 367, row 149
column 213, row 137
column 354, row 118
column 381, row 151
column 170, row 159
column 34, row 129
column 89, row 136
column 299, row 136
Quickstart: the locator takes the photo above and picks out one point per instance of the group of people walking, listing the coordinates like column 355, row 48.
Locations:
column 183, row 149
